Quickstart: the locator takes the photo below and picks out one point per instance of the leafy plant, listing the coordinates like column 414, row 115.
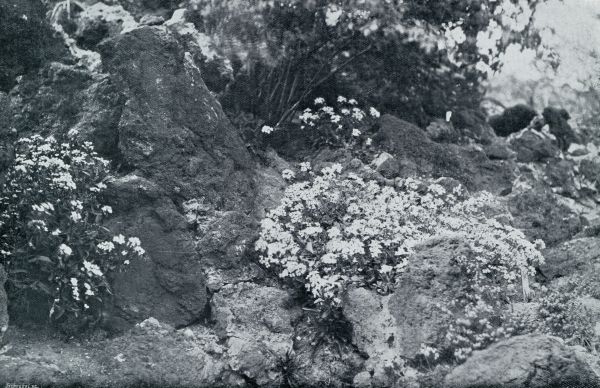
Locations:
column 53, row 243
column 563, row 316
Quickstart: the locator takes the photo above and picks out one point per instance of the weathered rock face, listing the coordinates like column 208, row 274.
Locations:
column 473, row 125
column 533, row 146
column 392, row 327
column 257, row 328
column 65, row 98
column 540, row 216
column 570, row 257
column 26, row 38
column 559, row 174
column 151, row 354
column 100, row 21
column 524, row 361
column 169, row 111
column 416, row 154
column 178, row 146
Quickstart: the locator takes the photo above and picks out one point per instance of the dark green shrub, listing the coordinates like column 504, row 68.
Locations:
column 52, row 244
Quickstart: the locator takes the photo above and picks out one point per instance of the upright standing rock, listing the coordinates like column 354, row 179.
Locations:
column 177, row 147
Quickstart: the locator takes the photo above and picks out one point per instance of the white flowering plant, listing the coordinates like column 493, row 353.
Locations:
column 52, row 238
column 344, row 123
column 337, row 230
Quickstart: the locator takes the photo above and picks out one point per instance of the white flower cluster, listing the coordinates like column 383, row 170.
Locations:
column 49, row 211
column 343, row 124
column 338, row 230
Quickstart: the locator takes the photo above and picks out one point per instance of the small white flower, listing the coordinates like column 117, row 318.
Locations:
column 106, row 246
column 65, row 250
column 341, row 99
column 374, row 112
column 56, row 232
column 305, row 166
column 266, row 129
column 78, row 205
column 134, row 242
column 106, row 209
column 352, row 101
column 328, row 110
column 92, row 268
column 126, row 262
column 120, row 239
column 75, row 216
column 88, row 289
column 355, row 132
column 333, row 15
column 319, row 101
column 288, row 174
column 358, row 114
column 369, row 141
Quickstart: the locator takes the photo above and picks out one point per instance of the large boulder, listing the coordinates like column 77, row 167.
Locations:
column 533, row 146
column 256, row 324
column 393, row 327
column 533, row 361
column 416, row 154
column 178, row 148
column 571, row 257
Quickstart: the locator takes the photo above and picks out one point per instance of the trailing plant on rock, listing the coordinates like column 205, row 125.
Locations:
column 52, row 241
column 337, row 230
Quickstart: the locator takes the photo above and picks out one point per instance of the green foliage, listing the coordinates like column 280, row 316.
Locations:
column 563, row 316
column 415, row 59
column 53, row 244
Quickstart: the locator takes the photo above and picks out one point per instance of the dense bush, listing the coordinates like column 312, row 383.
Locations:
column 416, row 59
column 52, row 241
column 337, row 230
